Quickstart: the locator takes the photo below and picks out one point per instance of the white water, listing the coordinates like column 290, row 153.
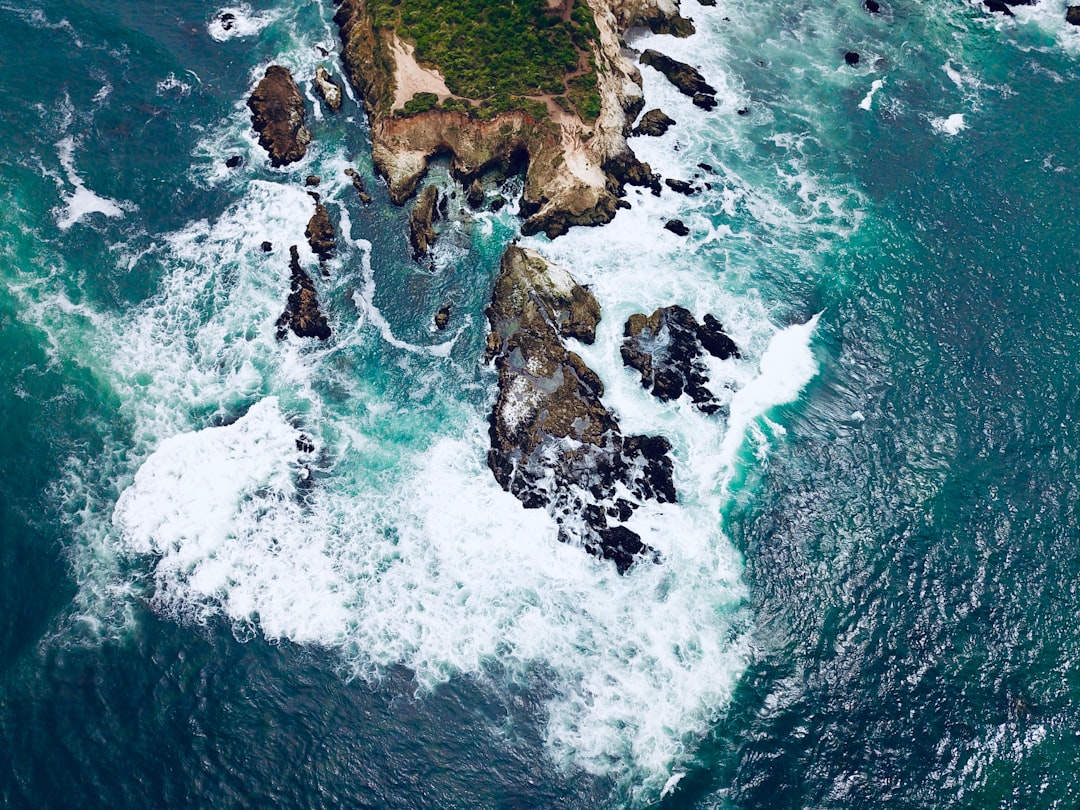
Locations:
column 80, row 202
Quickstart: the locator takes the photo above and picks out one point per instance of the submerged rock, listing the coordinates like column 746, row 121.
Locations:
column 666, row 347
column 328, row 88
column 553, row 443
column 320, row 231
column 302, row 313
column 421, row 233
column 277, row 114
column 687, row 79
column 655, row 123
column 358, row 184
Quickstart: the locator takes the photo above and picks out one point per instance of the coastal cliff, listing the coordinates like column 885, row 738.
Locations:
column 569, row 131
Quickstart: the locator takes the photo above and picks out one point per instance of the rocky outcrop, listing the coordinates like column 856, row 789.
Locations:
column 422, row 234
column 686, row 79
column 327, row 88
column 302, row 313
column 681, row 187
column 553, row 443
column 655, row 123
column 667, row 346
column 277, row 114
column 442, row 317
column 320, row 231
column 1072, row 15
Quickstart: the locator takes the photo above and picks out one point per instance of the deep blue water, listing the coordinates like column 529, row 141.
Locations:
column 868, row 593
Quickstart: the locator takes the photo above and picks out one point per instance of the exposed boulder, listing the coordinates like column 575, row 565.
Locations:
column 851, row 58
column 302, row 313
column 682, row 187
column 553, row 443
column 234, row 161
column 320, row 231
column 442, row 317
column 475, row 194
column 1072, row 15
column 872, row 6
column 277, row 114
column 687, row 79
column 358, row 184
column 655, row 123
column 675, row 25
column 267, row 247
column 328, row 88
column 312, row 180
column 421, row 233
column 677, row 227
column 666, row 347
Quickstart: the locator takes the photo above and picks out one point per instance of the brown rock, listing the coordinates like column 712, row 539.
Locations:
column 442, row 317
column 277, row 114
column 655, row 123
column 1072, row 15
column 687, row 79
column 358, row 184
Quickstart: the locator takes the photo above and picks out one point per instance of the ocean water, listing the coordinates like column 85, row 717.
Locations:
column 868, row 590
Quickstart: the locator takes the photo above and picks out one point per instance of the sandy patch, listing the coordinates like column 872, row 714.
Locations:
column 410, row 78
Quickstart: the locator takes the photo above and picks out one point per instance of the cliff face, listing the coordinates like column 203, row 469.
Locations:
column 575, row 171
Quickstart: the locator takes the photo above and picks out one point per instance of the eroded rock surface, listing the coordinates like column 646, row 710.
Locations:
column 277, row 114
column 328, row 88
column 654, row 122
column 422, row 234
column 667, row 346
column 553, row 443
column 320, row 231
column 302, row 313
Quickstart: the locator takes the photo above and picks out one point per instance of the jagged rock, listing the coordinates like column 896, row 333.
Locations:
column 328, row 88
column 421, row 233
column 624, row 169
column 681, row 186
column 709, row 3
column 302, row 313
column 442, row 317
column 655, row 123
column 688, row 81
column 998, row 6
column 475, row 194
column 320, row 231
column 234, row 161
column 705, row 167
column 227, row 20
column 851, row 58
column 677, row 227
column 312, row 180
column 498, row 203
column 266, row 247
column 872, row 6
column 277, row 114
column 304, row 444
column 666, row 348
column 743, row 111
column 1072, row 15
column 553, row 443
column 358, row 184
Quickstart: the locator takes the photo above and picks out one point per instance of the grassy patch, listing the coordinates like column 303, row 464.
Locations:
column 496, row 50
column 420, row 102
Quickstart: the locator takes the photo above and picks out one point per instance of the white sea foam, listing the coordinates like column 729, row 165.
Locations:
column 172, row 86
column 80, row 201
column 238, row 21
column 952, row 125
column 868, row 99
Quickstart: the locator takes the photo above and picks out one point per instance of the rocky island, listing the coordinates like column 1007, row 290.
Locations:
column 545, row 88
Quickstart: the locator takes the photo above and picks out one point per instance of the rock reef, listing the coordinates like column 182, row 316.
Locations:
column 277, row 115
column 667, row 348
column 554, row 444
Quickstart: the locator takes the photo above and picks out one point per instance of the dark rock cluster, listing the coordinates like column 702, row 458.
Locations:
column 667, row 347
column 655, row 123
column 554, row 445
column 320, row 231
column 422, row 233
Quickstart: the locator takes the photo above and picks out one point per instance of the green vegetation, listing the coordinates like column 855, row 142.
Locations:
column 420, row 102
column 498, row 51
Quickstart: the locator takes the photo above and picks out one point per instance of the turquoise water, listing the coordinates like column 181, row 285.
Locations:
column 867, row 596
